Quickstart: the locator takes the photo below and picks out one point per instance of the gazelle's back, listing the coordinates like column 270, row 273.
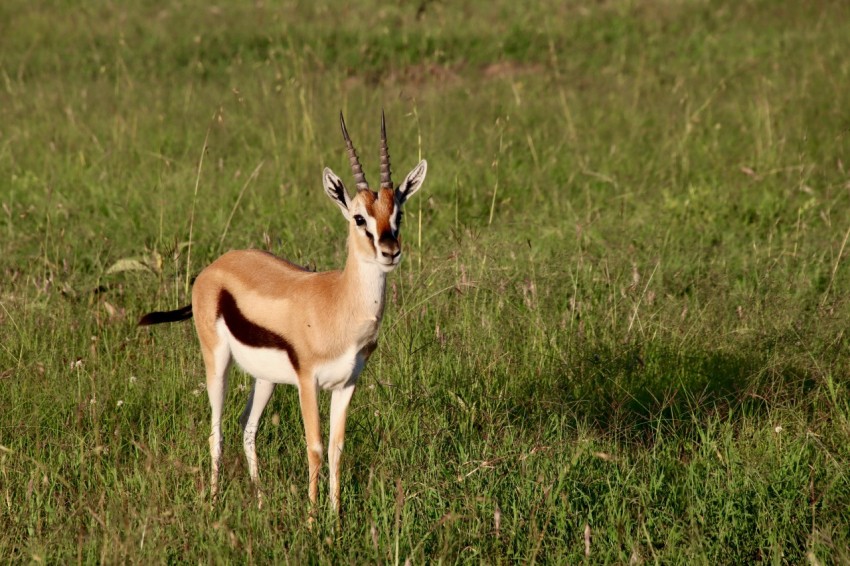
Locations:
column 265, row 302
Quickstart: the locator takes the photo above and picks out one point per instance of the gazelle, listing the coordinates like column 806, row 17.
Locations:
column 283, row 324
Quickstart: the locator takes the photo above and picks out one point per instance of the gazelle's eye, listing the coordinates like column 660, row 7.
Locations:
column 359, row 220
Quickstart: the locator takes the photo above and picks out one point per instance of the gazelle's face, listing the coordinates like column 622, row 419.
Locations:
column 375, row 217
column 375, row 222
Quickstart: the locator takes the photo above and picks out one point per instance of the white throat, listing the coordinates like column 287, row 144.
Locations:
column 373, row 279
column 370, row 280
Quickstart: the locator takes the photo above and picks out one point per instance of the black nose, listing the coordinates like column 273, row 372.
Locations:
column 391, row 255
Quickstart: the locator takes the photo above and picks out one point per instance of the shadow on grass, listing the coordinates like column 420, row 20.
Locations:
column 639, row 386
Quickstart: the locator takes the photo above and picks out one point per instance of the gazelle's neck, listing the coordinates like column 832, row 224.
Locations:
column 365, row 282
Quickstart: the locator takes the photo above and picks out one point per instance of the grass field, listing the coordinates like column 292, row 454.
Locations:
column 618, row 334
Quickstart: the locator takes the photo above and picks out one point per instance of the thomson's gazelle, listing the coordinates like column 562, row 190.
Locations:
column 284, row 324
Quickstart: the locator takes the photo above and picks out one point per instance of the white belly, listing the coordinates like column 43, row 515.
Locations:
column 268, row 364
column 271, row 364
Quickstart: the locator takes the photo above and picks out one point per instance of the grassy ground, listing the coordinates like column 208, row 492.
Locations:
column 622, row 309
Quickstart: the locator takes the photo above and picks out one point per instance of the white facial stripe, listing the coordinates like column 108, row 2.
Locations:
column 371, row 226
column 394, row 218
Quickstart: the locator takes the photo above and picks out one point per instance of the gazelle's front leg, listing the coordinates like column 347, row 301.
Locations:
column 340, row 399
column 312, row 432
column 250, row 419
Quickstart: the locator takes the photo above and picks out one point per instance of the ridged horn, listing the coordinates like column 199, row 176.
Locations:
column 386, row 173
column 353, row 160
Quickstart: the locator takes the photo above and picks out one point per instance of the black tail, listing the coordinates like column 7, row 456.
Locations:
column 166, row 316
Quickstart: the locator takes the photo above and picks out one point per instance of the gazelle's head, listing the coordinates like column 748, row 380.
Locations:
column 374, row 217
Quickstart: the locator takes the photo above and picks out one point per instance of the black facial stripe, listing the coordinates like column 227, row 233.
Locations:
column 371, row 240
column 249, row 333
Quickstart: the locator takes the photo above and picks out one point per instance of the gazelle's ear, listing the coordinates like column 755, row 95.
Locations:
column 336, row 190
column 412, row 182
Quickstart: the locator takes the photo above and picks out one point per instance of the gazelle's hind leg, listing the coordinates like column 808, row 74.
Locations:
column 217, row 362
column 250, row 419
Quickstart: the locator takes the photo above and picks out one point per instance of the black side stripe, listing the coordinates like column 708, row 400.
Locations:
column 250, row 333
column 158, row 317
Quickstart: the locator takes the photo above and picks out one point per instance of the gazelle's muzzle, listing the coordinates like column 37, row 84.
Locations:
column 389, row 250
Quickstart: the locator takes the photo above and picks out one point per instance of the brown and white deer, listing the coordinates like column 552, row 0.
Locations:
column 283, row 324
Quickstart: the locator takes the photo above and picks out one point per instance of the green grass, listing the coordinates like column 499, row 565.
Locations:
column 623, row 303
